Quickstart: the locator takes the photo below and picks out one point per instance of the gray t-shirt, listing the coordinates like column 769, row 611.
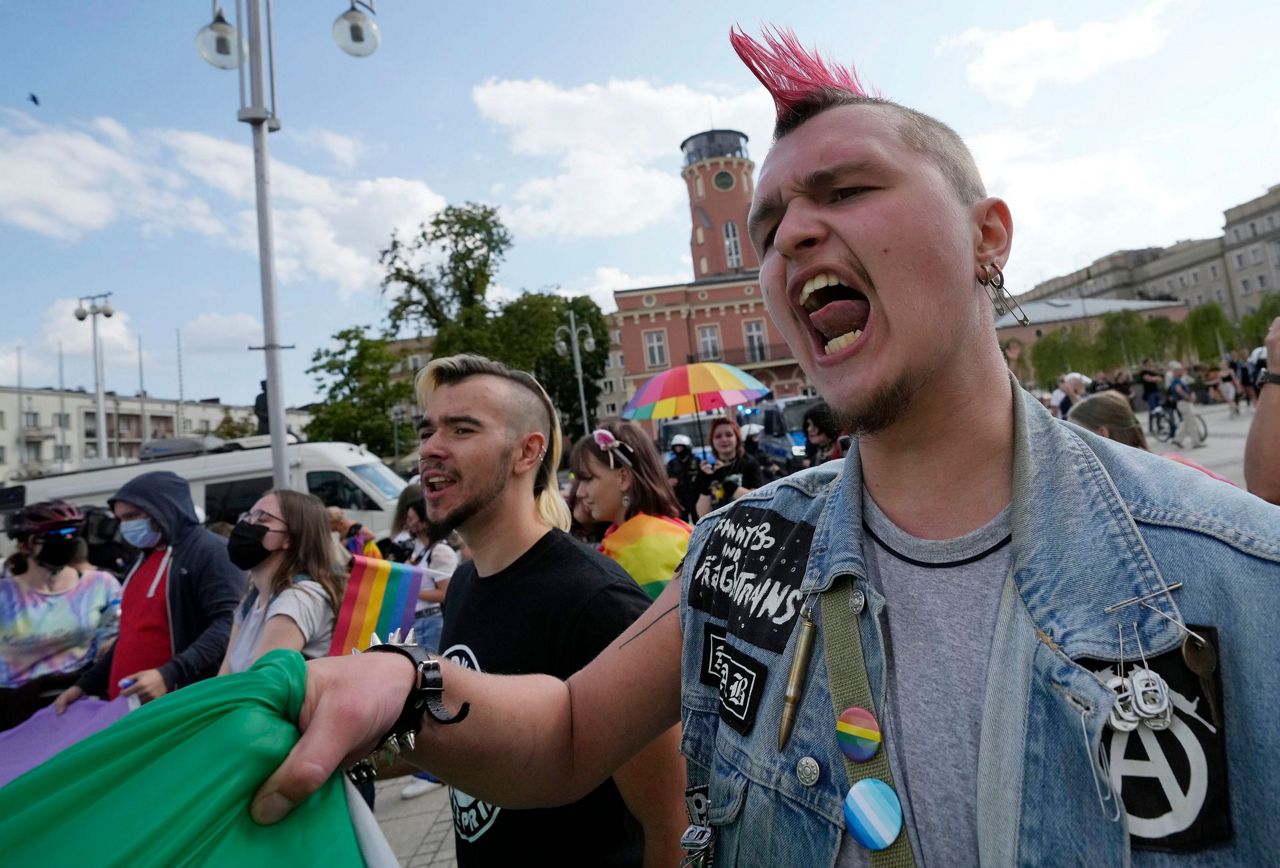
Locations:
column 941, row 600
column 305, row 603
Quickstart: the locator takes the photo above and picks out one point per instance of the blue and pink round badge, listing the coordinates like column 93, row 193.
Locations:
column 872, row 813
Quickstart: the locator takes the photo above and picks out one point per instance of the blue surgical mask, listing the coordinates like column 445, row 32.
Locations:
column 139, row 533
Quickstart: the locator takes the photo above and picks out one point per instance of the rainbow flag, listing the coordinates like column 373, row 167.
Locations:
column 380, row 598
column 649, row 547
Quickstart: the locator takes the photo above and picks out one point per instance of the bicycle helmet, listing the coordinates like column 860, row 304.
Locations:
column 46, row 517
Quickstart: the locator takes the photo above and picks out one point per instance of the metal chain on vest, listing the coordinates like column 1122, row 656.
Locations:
column 848, row 684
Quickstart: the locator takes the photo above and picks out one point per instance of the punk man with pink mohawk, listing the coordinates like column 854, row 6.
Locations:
column 983, row 638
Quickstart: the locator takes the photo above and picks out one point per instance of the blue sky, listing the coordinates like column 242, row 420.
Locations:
column 1104, row 125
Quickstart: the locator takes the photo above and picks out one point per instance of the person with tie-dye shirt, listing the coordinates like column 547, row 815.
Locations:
column 53, row 618
column 623, row 481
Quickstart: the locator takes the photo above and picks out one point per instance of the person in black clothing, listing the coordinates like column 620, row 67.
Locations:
column 821, row 436
column 684, row 473
column 734, row 473
column 533, row 600
column 1152, row 384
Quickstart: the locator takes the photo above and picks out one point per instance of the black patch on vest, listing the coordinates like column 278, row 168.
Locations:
column 749, row 573
column 1173, row 782
column 738, row 679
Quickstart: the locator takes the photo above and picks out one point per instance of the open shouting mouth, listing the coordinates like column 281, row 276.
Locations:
column 837, row 311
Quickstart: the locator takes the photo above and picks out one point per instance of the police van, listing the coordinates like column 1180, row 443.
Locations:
column 227, row 482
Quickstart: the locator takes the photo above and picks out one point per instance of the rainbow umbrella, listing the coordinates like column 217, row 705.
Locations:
column 693, row 389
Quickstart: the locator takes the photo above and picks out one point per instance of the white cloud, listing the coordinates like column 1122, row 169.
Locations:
column 1008, row 66
column 1071, row 207
column 221, row 333
column 615, row 144
column 64, row 182
column 345, row 151
column 600, row 285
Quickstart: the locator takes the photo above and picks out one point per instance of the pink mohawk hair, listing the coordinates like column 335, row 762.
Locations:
column 793, row 74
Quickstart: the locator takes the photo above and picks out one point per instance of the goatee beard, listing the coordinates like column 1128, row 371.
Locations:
column 885, row 406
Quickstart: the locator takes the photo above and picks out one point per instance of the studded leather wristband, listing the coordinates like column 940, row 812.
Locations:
column 424, row 698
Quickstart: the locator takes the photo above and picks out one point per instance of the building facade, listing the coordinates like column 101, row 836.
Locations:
column 46, row 431
column 1234, row 270
column 719, row 316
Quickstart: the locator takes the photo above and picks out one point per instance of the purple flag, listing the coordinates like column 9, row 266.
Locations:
column 46, row 733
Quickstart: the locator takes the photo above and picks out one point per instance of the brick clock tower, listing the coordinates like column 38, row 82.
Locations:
column 718, row 174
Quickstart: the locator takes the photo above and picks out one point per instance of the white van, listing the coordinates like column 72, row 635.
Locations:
column 226, row 484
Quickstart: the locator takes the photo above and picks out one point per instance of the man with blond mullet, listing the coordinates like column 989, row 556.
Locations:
column 983, row 638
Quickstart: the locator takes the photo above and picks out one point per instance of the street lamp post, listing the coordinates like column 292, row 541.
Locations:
column 397, row 419
column 220, row 44
column 573, row 330
column 94, row 310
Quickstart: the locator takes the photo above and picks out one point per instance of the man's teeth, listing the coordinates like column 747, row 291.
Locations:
column 839, row 343
column 818, row 281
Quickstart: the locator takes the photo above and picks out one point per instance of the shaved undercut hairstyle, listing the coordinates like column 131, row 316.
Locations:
column 804, row 85
column 530, row 410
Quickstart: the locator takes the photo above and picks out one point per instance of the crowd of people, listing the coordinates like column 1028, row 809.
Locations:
column 935, row 643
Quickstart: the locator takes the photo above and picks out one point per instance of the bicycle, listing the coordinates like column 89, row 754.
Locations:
column 1164, row 421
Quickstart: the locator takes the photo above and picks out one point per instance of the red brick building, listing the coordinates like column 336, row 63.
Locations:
column 720, row 315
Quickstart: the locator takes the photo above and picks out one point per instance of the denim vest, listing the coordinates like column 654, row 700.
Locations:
column 1094, row 523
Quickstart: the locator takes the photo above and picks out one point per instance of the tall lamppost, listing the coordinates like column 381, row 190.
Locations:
column 94, row 310
column 397, row 419
column 221, row 45
column 589, row 343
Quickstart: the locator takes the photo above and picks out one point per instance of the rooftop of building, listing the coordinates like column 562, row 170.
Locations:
column 1061, row 309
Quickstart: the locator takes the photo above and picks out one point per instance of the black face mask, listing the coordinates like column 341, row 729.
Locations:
column 245, row 548
column 56, row 553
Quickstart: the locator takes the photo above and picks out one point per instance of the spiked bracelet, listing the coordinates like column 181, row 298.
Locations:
column 424, row 698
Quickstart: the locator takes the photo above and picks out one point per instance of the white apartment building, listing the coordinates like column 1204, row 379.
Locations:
column 55, row 431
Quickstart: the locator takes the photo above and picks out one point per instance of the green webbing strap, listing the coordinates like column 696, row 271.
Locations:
column 849, row 687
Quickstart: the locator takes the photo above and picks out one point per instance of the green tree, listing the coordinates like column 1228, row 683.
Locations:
column 1121, row 340
column 360, row 394
column 1209, row 332
column 1166, row 339
column 1254, row 326
column 438, row 280
column 230, row 429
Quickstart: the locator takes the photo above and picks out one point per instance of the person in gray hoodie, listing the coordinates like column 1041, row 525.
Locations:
column 180, row 638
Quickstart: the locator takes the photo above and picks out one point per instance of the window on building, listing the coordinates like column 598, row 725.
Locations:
column 1219, row 295
column 31, row 452
column 62, row 420
column 709, row 342
column 655, row 348
column 1, row 455
column 615, row 336
column 1271, row 221
column 1256, row 255
column 1239, row 260
column 1169, row 284
column 1213, row 272
column 607, row 386
column 1199, row 299
column 617, row 360
column 1182, row 281
column 1195, row 276
column 30, row 419
column 1262, row 281
column 1, row 420
column 753, row 330
column 1235, row 233
column 1245, row 286
column 611, row 409
column 1253, row 230
column 732, row 246
column 61, row 452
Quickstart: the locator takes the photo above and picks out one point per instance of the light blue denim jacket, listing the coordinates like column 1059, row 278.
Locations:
column 1094, row 523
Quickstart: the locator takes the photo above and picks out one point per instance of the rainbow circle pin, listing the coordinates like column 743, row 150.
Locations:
column 872, row 813
column 858, row 734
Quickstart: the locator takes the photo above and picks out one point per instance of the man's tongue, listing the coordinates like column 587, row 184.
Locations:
column 840, row 317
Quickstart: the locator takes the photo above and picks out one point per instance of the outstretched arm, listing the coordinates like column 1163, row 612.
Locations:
column 1262, row 449
column 529, row 740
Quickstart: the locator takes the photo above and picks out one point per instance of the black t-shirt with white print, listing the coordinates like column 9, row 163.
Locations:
column 551, row 611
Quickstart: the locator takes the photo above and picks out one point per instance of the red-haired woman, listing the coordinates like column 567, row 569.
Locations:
column 734, row 472
column 621, row 480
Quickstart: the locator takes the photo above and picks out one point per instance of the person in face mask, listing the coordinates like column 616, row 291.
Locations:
column 178, row 598
column 53, row 617
column 294, row 592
